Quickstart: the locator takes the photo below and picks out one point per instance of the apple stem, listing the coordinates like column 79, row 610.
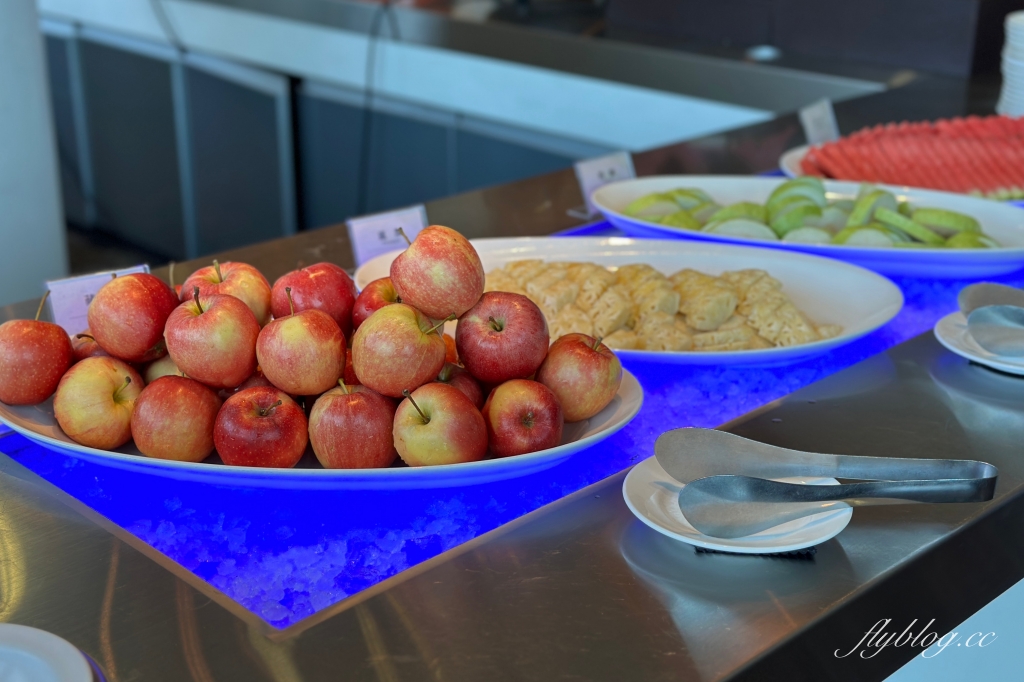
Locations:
column 446, row 373
column 442, row 323
column 170, row 273
column 216, row 267
column 127, row 380
column 39, row 310
column 195, row 297
column 344, row 388
column 85, row 336
column 597, row 343
column 495, row 325
column 408, row 395
column 264, row 411
column 404, row 236
column 291, row 306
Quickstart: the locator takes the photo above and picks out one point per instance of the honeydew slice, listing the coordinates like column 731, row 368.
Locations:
column 866, row 206
column 689, row 197
column 863, row 236
column 897, row 236
column 808, row 187
column 971, row 240
column 743, row 209
column 787, row 204
column 919, row 232
column 651, row 206
column 844, row 204
column 682, row 220
column 832, row 219
column 741, row 227
column 808, row 235
column 704, row 212
column 945, row 223
column 906, row 209
column 794, row 217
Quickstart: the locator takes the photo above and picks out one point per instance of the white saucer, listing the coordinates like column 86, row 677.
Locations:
column 951, row 331
column 652, row 495
column 32, row 654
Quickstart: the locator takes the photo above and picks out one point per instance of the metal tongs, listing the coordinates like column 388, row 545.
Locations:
column 727, row 493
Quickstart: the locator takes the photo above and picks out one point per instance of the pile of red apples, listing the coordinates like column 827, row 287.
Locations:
column 257, row 372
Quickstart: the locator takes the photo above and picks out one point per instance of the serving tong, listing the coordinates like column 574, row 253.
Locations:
column 728, row 494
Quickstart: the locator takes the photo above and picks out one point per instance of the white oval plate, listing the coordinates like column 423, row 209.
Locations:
column 829, row 292
column 789, row 163
column 32, row 654
column 37, row 423
column 951, row 331
column 1002, row 221
column 653, row 496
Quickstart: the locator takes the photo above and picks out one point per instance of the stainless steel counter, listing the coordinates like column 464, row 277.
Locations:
column 579, row 589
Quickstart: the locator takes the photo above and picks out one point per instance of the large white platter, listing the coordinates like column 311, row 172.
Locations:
column 829, row 292
column 653, row 496
column 1003, row 222
column 37, row 423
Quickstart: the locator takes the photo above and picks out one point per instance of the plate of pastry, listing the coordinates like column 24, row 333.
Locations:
column 686, row 302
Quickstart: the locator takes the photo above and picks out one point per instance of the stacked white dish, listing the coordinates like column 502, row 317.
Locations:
column 1011, row 99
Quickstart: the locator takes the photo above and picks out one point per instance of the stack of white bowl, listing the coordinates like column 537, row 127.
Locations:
column 1011, row 99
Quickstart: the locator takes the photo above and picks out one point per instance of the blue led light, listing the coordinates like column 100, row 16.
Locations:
column 285, row 554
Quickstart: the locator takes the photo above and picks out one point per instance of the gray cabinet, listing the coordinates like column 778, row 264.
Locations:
column 179, row 154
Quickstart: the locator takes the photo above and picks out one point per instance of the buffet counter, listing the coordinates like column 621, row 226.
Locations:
column 549, row 575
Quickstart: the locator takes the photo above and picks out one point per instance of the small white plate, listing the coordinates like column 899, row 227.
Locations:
column 652, row 495
column 32, row 654
column 951, row 331
column 829, row 292
column 1002, row 221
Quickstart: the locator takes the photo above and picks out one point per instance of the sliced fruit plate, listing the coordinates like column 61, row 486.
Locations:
column 892, row 230
column 981, row 156
column 849, row 299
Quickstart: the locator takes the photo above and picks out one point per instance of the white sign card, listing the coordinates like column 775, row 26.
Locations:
column 819, row 122
column 70, row 297
column 372, row 235
column 594, row 173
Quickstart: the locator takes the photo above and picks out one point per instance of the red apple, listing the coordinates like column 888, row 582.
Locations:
column 212, row 339
column 583, row 373
column 324, row 286
column 95, row 400
column 460, row 378
column 84, row 346
column 240, row 280
column 376, row 295
column 174, row 418
column 350, row 428
column 33, row 357
column 504, row 336
column 522, row 416
column 439, row 274
column 437, row 424
column 302, row 353
column 160, row 368
column 260, row 427
column 397, row 349
column 127, row 317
